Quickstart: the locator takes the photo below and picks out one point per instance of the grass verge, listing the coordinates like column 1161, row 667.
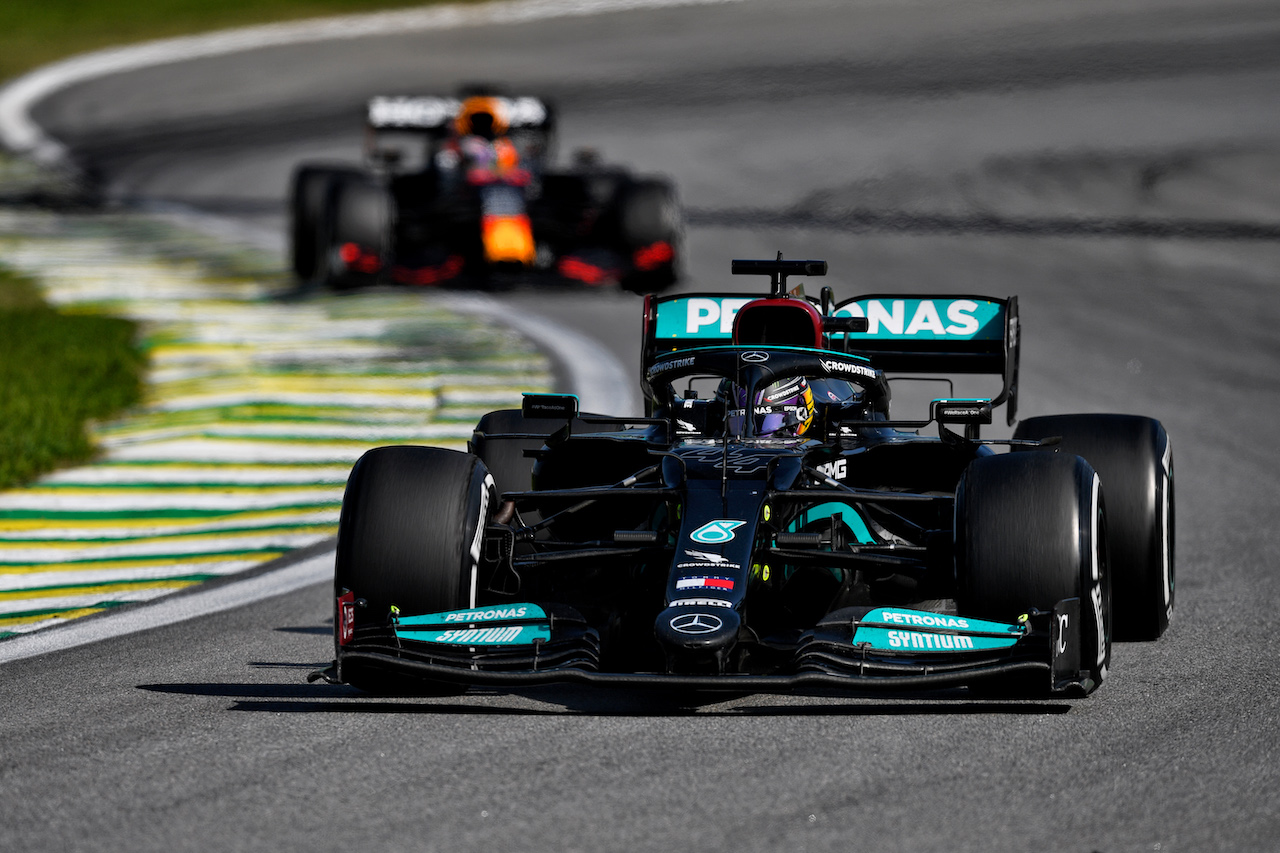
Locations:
column 34, row 33
column 57, row 372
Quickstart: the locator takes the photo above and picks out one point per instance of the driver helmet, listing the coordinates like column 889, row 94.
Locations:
column 480, row 116
column 782, row 410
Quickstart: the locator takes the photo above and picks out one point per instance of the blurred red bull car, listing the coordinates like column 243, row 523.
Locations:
column 463, row 190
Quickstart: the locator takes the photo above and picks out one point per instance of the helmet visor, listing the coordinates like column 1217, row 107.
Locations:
column 783, row 409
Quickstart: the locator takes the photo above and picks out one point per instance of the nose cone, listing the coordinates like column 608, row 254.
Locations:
column 697, row 638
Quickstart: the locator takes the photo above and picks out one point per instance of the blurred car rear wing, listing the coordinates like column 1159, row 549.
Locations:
column 433, row 113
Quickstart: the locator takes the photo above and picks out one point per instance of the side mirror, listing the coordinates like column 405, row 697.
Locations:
column 968, row 412
column 855, row 325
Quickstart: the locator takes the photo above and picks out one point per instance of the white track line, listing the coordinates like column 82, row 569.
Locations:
column 167, row 611
column 599, row 379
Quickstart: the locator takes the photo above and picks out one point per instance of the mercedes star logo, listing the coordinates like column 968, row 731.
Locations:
column 696, row 623
column 755, row 357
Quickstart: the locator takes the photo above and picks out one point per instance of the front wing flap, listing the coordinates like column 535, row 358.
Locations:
column 855, row 649
column 891, row 642
column 502, row 639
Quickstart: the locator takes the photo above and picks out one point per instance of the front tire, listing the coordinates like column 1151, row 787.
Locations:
column 1030, row 532
column 409, row 536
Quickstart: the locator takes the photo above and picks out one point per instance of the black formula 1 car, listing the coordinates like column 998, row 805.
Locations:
column 767, row 526
column 463, row 190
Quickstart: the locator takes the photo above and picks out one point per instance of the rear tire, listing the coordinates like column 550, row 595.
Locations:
column 409, row 536
column 359, row 212
column 308, row 195
column 649, row 214
column 1030, row 532
column 1133, row 457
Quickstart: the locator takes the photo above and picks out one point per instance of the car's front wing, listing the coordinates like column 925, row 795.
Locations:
column 858, row 650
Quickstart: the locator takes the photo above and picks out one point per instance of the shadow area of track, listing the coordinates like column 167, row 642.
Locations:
column 283, row 698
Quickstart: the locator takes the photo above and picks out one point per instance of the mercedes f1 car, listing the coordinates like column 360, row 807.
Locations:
column 463, row 189
column 768, row 525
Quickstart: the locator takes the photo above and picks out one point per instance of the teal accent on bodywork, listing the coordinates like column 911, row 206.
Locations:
column 897, row 630
column 487, row 635
column 497, row 613
column 716, row 532
column 927, row 319
column 711, row 317
column 698, row 317
column 501, row 625
column 848, row 515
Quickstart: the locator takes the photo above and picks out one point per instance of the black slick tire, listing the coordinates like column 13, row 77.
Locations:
column 308, row 196
column 649, row 214
column 409, row 535
column 359, row 213
column 1030, row 532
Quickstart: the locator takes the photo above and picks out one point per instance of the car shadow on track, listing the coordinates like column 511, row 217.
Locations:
column 285, row 698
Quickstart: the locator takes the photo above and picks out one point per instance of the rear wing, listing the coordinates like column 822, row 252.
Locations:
column 918, row 334
column 925, row 334
column 433, row 114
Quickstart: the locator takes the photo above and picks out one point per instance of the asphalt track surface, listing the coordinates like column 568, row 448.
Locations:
column 1115, row 164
